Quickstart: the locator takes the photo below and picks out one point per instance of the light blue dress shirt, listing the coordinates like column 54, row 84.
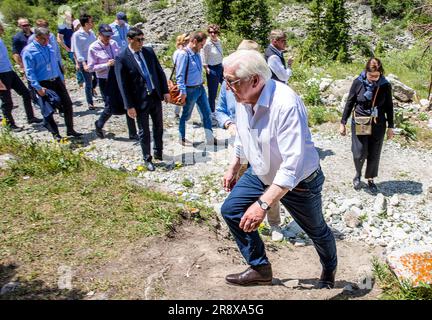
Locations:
column 81, row 42
column 120, row 34
column 53, row 43
column 225, row 108
column 194, row 76
column 40, row 63
column 275, row 139
column 5, row 65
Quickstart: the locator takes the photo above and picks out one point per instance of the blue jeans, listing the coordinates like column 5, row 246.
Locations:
column 214, row 78
column 303, row 203
column 88, row 79
column 196, row 95
column 78, row 74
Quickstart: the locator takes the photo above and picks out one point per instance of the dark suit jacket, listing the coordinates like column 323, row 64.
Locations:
column 131, row 82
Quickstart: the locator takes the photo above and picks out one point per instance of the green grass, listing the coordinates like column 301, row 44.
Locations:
column 393, row 289
column 159, row 5
column 61, row 209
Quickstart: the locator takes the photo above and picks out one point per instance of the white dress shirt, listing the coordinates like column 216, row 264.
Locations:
column 275, row 65
column 212, row 53
column 275, row 139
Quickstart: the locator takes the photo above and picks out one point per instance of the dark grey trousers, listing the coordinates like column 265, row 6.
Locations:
column 368, row 148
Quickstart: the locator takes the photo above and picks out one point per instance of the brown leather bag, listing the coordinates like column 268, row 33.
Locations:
column 363, row 125
column 173, row 88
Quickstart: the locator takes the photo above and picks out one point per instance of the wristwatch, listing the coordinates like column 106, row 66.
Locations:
column 264, row 205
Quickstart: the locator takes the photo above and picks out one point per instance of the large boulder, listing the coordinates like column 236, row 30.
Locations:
column 401, row 91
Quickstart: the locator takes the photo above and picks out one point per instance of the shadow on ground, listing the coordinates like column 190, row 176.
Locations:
column 16, row 289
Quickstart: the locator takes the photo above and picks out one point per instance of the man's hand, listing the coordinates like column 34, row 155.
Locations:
column 41, row 92
column 77, row 67
column 232, row 129
column 167, row 97
column 207, row 69
column 2, row 86
column 110, row 62
column 183, row 98
column 228, row 179
column 252, row 218
column 342, row 129
column 390, row 133
column 132, row 113
column 290, row 61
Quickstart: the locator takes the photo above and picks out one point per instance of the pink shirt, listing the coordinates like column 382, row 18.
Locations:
column 98, row 57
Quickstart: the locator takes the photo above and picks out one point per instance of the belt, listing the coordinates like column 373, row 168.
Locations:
column 312, row 176
column 199, row 85
column 52, row 79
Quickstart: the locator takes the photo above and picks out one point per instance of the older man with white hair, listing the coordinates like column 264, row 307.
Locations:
column 273, row 136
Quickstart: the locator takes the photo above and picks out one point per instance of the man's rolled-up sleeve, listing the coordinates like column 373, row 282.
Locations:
column 291, row 141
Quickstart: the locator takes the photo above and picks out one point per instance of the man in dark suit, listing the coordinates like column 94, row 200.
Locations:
column 143, row 85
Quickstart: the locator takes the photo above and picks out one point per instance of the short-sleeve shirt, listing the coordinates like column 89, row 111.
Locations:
column 67, row 34
column 19, row 41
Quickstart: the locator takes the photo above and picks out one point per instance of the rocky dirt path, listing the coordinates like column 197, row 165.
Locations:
column 192, row 265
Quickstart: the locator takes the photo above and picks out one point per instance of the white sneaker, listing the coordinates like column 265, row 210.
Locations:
column 276, row 233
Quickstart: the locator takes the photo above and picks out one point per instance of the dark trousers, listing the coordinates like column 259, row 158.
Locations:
column 368, row 148
column 106, row 114
column 303, row 203
column 12, row 81
column 58, row 87
column 152, row 107
column 214, row 78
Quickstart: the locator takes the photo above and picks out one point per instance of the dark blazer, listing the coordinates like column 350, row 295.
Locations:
column 131, row 81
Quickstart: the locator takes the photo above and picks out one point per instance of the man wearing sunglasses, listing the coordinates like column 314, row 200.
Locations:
column 143, row 85
column 19, row 41
column 273, row 136
column 281, row 70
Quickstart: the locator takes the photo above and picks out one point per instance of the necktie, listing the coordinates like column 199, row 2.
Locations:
column 145, row 73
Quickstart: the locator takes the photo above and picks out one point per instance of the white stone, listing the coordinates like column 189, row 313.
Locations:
column 380, row 204
column 394, row 200
column 325, row 84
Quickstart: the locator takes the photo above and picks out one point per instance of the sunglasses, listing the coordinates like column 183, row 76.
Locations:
column 139, row 39
column 25, row 25
column 213, row 32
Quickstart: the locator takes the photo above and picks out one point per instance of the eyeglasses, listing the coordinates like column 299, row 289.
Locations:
column 214, row 32
column 231, row 83
column 139, row 39
column 25, row 25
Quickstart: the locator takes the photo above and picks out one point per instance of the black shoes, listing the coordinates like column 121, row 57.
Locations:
column 57, row 137
column 149, row 165
column 74, row 134
column 372, row 187
column 356, row 183
column 252, row 276
column 99, row 131
column 91, row 107
column 327, row 279
column 34, row 120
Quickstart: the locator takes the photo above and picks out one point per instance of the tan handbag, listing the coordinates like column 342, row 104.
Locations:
column 363, row 125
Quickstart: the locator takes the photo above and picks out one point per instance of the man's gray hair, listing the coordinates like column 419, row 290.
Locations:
column 277, row 35
column 41, row 31
column 248, row 63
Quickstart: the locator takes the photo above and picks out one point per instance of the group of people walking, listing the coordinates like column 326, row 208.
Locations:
column 275, row 158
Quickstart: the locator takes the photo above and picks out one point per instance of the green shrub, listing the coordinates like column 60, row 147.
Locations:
column 159, row 5
column 134, row 16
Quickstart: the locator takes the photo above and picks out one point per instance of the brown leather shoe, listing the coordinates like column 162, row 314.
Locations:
column 253, row 276
column 327, row 279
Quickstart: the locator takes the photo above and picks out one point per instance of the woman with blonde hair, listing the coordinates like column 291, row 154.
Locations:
column 181, row 41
